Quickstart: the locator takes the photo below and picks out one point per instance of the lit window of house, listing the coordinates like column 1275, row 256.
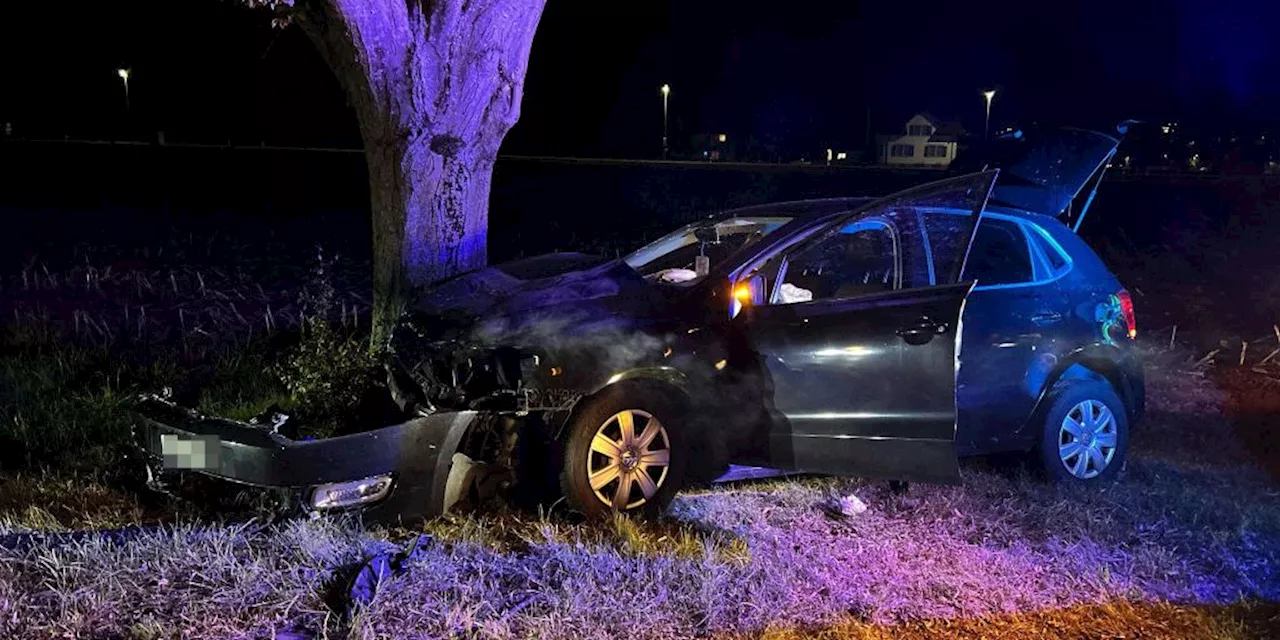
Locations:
column 902, row 150
column 935, row 151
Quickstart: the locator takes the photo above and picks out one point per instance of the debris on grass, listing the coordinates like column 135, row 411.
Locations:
column 844, row 507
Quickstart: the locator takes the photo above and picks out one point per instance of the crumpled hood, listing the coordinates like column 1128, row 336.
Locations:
column 546, row 295
column 543, row 281
column 478, row 337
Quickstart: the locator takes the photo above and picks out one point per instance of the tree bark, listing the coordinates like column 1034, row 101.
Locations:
column 430, row 219
column 436, row 85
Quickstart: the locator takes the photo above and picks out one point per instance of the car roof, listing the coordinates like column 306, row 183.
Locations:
column 803, row 210
column 810, row 210
column 1031, row 216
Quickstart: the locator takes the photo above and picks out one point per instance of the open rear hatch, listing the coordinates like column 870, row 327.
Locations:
column 1047, row 170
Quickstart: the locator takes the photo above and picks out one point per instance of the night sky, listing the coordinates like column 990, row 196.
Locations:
column 805, row 74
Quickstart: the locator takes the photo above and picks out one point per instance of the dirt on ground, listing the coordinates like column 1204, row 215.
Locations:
column 1253, row 404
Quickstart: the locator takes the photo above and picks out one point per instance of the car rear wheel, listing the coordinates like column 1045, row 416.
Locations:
column 626, row 452
column 1086, row 433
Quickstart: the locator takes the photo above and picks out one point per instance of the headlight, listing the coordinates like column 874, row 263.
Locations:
column 346, row 494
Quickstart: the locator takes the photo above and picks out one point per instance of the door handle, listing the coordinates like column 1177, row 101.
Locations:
column 922, row 331
column 1047, row 318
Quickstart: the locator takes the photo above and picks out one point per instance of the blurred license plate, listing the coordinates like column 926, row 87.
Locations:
column 180, row 451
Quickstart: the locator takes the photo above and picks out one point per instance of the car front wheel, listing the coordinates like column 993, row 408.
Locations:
column 1086, row 433
column 626, row 452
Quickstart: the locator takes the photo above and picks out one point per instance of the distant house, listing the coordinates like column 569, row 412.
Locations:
column 714, row 147
column 925, row 141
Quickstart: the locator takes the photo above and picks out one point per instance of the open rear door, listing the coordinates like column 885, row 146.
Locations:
column 858, row 337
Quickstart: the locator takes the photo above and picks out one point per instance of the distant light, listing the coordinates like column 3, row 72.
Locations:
column 723, row 137
column 1165, row 129
column 989, row 94
column 721, row 364
column 666, row 88
column 828, row 155
column 841, row 155
column 123, row 73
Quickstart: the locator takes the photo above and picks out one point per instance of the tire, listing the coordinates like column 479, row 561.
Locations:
column 605, row 414
column 1099, row 454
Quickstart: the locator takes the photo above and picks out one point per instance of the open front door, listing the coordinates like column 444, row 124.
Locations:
column 857, row 333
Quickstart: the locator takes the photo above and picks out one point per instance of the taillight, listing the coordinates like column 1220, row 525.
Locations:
column 1126, row 307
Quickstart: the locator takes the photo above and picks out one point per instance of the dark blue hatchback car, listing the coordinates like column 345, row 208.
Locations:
column 882, row 338
column 958, row 318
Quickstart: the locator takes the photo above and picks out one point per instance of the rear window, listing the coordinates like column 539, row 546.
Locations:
column 999, row 254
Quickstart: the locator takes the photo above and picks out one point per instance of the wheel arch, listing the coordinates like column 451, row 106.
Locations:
column 666, row 380
column 1098, row 362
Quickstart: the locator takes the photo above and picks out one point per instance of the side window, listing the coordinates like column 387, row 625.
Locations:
column 999, row 254
column 898, row 242
column 1057, row 262
column 860, row 259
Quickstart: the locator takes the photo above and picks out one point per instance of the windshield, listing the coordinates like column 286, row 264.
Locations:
column 689, row 253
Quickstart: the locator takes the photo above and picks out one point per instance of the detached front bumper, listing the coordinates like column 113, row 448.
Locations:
column 417, row 455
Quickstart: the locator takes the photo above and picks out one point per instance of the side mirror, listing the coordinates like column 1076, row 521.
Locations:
column 747, row 293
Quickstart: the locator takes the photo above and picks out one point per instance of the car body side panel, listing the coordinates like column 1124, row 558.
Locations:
column 849, row 395
column 1090, row 340
column 1120, row 368
column 1011, row 347
column 1021, row 340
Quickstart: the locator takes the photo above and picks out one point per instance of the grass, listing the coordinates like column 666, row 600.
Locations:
column 1120, row 619
column 66, row 405
column 78, row 343
column 43, row 501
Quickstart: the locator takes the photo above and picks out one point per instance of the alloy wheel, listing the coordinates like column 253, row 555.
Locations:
column 629, row 458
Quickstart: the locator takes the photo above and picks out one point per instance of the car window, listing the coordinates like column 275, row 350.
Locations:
column 859, row 260
column 944, row 232
column 999, row 254
column 888, row 244
column 1051, row 253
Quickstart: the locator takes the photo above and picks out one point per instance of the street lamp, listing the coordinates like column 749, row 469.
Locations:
column 666, row 91
column 124, row 76
column 986, row 127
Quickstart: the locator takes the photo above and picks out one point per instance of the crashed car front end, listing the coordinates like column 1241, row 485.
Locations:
column 397, row 472
column 481, row 391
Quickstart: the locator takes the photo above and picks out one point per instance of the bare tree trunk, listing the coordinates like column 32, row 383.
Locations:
column 436, row 85
column 430, row 219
